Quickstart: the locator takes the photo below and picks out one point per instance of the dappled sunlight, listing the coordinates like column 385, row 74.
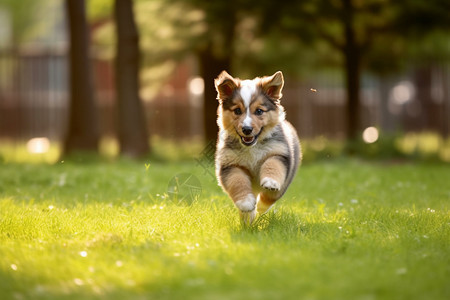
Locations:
column 38, row 145
column 424, row 145
column 370, row 135
column 378, row 144
column 109, row 146
column 197, row 86
column 400, row 95
column 36, row 150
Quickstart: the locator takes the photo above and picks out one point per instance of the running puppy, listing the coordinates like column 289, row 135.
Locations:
column 258, row 151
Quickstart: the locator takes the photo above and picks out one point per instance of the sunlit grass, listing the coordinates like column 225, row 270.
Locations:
column 346, row 229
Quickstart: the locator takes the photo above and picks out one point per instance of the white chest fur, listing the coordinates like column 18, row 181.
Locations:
column 251, row 157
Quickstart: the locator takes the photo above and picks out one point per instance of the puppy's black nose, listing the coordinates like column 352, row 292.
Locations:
column 247, row 130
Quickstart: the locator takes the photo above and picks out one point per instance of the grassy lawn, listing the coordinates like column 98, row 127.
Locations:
column 346, row 229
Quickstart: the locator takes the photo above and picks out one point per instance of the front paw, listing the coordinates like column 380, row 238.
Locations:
column 247, row 204
column 270, row 184
column 247, row 207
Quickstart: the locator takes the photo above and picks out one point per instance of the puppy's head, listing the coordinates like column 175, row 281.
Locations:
column 249, row 109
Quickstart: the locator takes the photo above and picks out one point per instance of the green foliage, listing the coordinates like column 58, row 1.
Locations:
column 27, row 23
column 264, row 36
column 296, row 36
column 387, row 32
column 346, row 229
column 168, row 33
column 99, row 9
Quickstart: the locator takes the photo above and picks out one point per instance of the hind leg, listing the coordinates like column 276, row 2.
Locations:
column 266, row 200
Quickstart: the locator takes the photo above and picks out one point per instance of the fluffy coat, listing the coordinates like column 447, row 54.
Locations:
column 258, row 151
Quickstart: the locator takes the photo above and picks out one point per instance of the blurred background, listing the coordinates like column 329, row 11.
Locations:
column 137, row 77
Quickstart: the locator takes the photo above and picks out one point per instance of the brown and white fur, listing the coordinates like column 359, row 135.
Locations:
column 258, row 151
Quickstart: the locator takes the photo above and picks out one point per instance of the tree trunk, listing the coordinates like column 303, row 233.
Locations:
column 352, row 72
column 83, row 128
column 210, row 68
column 428, row 118
column 446, row 103
column 133, row 137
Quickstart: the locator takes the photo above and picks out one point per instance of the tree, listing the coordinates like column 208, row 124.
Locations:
column 215, row 55
column 214, row 49
column 362, row 34
column 341, row 25
column 133, row 137
column 353, row 28
column 83, row 128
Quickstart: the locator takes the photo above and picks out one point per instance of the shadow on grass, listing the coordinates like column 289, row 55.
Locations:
column 282, row 225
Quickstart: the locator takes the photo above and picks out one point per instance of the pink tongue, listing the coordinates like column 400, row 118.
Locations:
column 248, row 139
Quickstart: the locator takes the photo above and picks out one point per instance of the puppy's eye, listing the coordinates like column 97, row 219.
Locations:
column 259, row 112
column 237, row 111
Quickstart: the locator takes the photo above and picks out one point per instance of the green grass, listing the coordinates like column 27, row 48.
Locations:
column 346, row 229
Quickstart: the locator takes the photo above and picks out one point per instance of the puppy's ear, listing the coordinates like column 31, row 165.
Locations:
column 272, row 85
column 225, row 86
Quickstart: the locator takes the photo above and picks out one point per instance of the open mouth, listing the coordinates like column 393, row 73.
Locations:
column 250, row 140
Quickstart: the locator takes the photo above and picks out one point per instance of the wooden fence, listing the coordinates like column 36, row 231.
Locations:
column 34, row 101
